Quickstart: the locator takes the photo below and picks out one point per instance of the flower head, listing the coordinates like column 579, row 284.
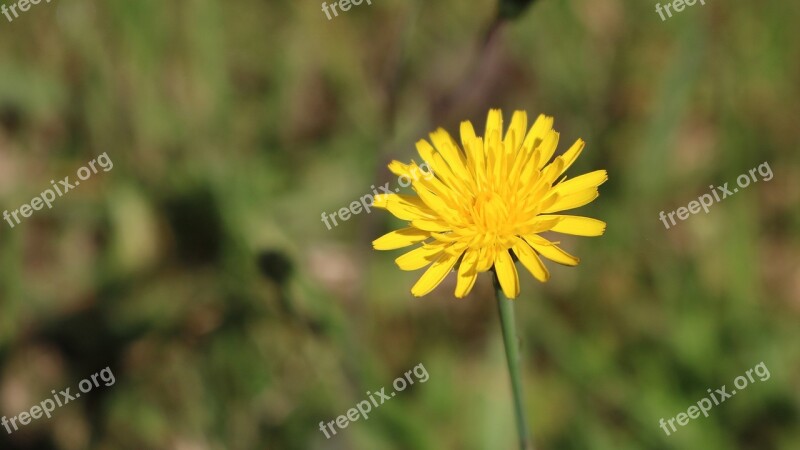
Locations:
column 489, row 196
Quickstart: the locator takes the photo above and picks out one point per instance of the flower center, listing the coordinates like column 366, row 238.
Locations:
column 490, row 216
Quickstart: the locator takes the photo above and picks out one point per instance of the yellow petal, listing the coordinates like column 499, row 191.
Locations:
column 548, row 203
column 516, row 131
column 435, row 274
column 437, row 164
column 541, row 224
column 467, row 273
column 467, row 132
column 400, row 238
column 578, row 226
column 440, row 205
column 431, row 225
column 572, row 154
column 446, row 237
column 434, row 157
column 405, row 207
column 420, row 256
column 507, row 274
column 399, row 168
column 540, row 128
column 580, row 183
column 545, row 179
column 449, row 150
column 494, row 123
column 551, row 251
column 572, row 201
column 551, row 172
column 485, row 259
column 383, row 201
column 521, row 161
column 477, row 161
column 530, row 260
column 496, row 161
column 411, row 171
column 546, row 149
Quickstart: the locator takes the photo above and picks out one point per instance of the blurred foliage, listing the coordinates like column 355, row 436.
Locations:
column 511, row 9
column 199, row 270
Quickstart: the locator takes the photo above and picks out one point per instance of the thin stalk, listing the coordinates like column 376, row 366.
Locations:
column 510, row 340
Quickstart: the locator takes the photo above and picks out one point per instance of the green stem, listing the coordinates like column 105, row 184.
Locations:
column 506, row 309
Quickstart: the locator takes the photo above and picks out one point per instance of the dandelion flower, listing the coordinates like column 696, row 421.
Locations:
column 487, row 203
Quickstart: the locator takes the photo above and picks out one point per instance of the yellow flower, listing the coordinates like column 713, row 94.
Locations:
column 490, row 195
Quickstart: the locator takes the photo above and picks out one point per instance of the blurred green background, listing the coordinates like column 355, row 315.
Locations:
column 199, row 271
